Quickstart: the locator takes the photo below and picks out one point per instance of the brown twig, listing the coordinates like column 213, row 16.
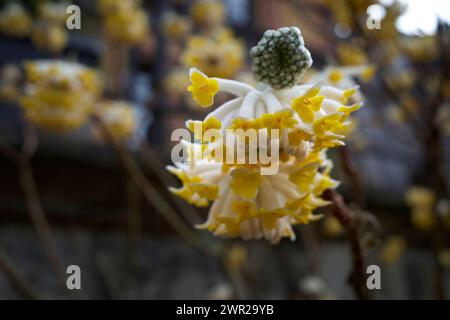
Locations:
column 150, row 193
column 351, row 222
column 11, row 272
column 352, row 175
column 22, row 159
column 157, row 168
column 312, row 245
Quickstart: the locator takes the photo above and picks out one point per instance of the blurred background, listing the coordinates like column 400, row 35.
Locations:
column 85, row 183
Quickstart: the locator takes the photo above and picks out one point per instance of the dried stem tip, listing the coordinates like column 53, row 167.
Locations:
column 280, row 58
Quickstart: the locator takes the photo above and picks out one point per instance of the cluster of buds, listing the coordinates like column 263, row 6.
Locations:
column 59, row 96
column 49, row 32
column 260, row 158
column 280, row 58
column 124, row 21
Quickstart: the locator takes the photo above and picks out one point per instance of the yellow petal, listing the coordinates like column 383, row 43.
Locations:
column 245, row 183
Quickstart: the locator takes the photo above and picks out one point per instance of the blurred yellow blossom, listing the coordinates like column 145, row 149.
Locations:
column 59, row 96
column 421, row 48
column 388, row 31
column 124, row 21
column 49, row 32
column 236, row 257
column 15, row 21
column 208, row 13
column 421, row 200
column 335, row 76
column 219, row 55
column 396, row 114
column 49, row 37
column 118, row 117
column 54, row 13
column 176, row 81
column 418, row 196
column 392, row 249
column 176, row 26
column 400, row 80
column 351, row 54
column 332, row 227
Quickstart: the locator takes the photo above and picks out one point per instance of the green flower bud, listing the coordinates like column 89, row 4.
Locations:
column 280, row 58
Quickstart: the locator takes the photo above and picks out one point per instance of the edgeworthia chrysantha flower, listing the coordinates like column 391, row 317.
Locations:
column 294, row 123
column 59, row 96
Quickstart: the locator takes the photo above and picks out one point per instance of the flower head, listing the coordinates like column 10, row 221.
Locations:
column 59, row 96
column 293, row 124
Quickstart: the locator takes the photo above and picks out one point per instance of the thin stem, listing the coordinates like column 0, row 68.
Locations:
column 312, row 246
column 39, row 220
column 150, row 193
column 22, row 159
column 347, row 217
column 34, row 204
column 352, row 175
column 155, row 164
column 11, row 272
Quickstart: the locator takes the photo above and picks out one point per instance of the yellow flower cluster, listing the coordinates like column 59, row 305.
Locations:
column 345, row 11
column 220, row 55
column 49, row 32
column 124, row 21
column 351, row 54
column 176, row 81
column 246, row 202
column 176, row 26
column 54, row 12
column 15, row 21
column 59, row 96
column 392, row 250
column 208, row 13
column 49, row 37
column 420, row 48
column 422, row 201
column 119, row 118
